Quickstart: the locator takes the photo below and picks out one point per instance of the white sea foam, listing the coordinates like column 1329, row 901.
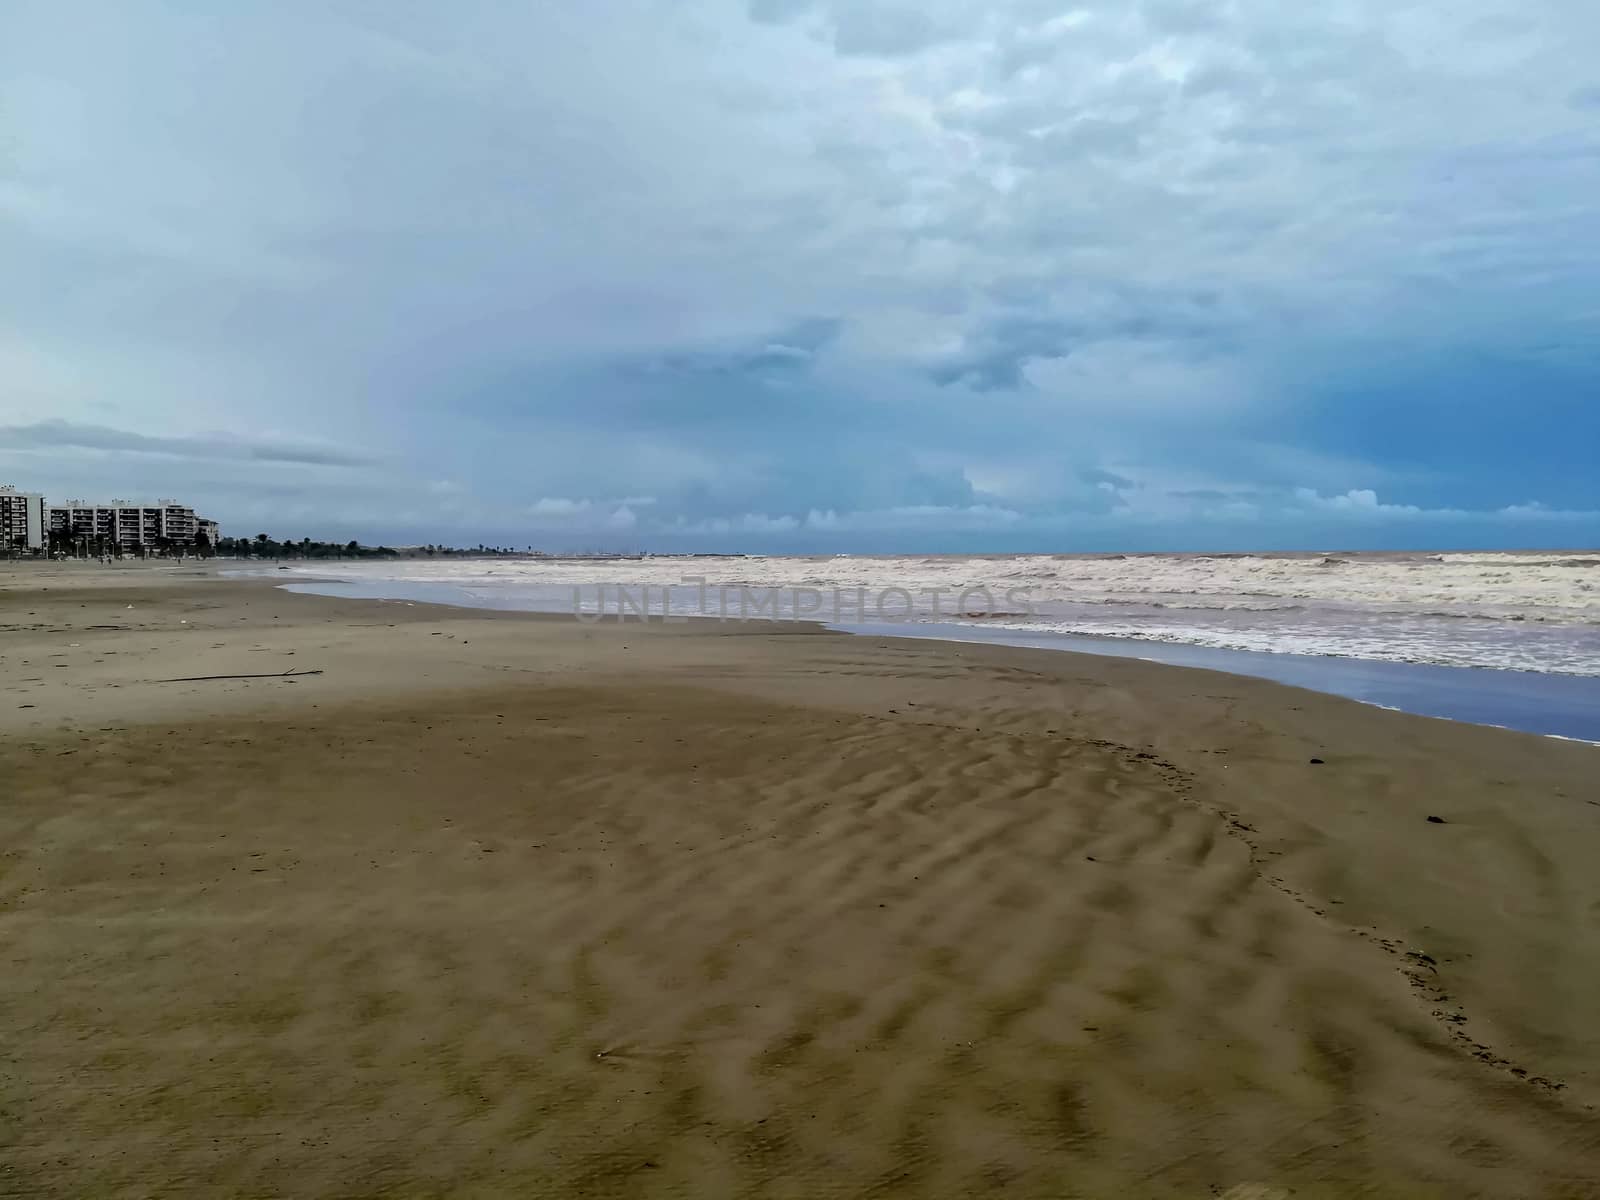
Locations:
column 1532, row 612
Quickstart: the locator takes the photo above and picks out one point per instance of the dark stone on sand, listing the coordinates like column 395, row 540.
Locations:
column 1436, row 821
column 1316, row 762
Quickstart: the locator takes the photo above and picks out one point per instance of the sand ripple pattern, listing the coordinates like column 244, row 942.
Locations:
column 803, row 953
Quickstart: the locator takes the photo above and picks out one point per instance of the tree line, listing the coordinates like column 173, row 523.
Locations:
column 67, row 545
column 263, row 546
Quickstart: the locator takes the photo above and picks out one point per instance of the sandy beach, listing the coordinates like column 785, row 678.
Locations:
column 445, row 902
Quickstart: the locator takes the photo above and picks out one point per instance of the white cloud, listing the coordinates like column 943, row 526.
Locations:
column 1359, row 502
column 1037, row 243
column 56, row 436
column 914, row 517
column 745, row 523
column 559, row 506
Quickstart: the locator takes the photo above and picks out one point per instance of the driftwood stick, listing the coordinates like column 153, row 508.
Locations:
column 267, row 675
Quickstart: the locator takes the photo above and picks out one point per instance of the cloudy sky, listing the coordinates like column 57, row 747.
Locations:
column 810, row 274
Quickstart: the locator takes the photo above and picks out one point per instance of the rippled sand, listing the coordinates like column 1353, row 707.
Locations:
column 502, row 906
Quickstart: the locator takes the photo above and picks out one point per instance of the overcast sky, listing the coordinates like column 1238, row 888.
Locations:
column 810, row 274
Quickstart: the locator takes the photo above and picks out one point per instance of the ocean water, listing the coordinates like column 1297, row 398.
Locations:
column 1500, row 638
column 1564, row 706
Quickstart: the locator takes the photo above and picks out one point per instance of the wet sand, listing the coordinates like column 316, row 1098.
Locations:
column 496, row 904
column 1566, row 706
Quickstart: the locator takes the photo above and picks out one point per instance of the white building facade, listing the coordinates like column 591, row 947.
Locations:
column 22, row 519
column 165, row 524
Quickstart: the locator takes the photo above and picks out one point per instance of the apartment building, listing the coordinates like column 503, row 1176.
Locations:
column 123, row 523
column 22, row 519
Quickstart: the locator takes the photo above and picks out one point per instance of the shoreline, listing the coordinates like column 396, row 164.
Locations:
column 1549, row 704
column 545, row 900
column 1417, row 689
column 1447, row 611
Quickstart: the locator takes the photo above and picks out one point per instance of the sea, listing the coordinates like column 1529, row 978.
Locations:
column 1498, row 638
